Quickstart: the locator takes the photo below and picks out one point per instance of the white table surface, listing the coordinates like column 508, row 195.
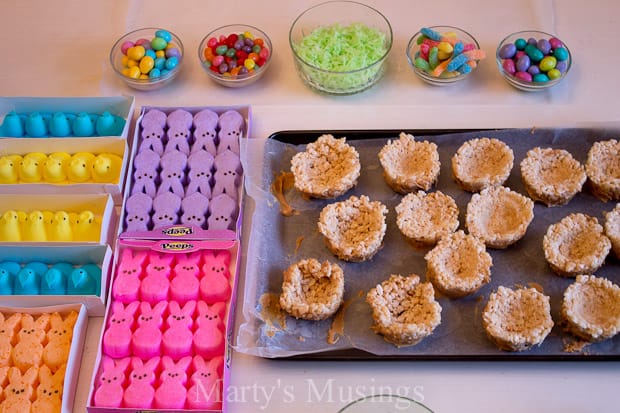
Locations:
column 60, row 48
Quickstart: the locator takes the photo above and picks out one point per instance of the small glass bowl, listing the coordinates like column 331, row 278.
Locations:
column 385, row 403
column 238, row 80
column 522, row 84
column 148, row 33
column 341, row 13
column 413, row 48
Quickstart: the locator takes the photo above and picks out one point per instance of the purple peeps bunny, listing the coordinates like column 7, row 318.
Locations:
column 152, row 138
column 204, row 139
column 195, row 207
column 223, row 212
column 178, row 138
column 154, row 117
column 172, row 175
column 166, row 207
column 180, row 117
column 231, row 128
column 227, row 174
column 200, row 167
column 146, row 165
column 138, row 212
column 206, row 118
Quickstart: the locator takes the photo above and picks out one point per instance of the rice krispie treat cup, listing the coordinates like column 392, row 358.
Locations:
column 328, row 168
column 312, row 290
column 499, row 216
column 459, row 265
column 409, row 164
column 591, row 308
column 404, row 310
column 516, row 320
column 576, row 245
column 424, row 218
column 482, row 162
column 612, row 229
column 353, row 229
column 552, row 176
column 603, row 170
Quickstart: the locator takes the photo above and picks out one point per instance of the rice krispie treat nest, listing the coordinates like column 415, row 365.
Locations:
column 425, row 218
column 552, row 176
column 459, row 265
column 576, row 245
column 311, row 290
column 328, row 168
column 353, row 229
column 603, row 170
column 591, row 308
column 499, row 216
column 404, row 309
column 409, row 164
column 612, row 229
column 516, row 320
column 482, row 162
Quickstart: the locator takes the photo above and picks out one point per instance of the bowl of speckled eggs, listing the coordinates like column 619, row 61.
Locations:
column 147, row 58
column 533, row 60
column 235, row 55
column 443, row 55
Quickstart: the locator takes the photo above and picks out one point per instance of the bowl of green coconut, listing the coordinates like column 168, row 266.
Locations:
column 340, row 47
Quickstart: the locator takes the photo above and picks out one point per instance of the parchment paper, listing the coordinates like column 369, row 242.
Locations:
column 272, row 248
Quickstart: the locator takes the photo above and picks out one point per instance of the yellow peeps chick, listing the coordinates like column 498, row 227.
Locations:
column 55, row 167
column 35, row 228
column 9, row 227
column 9, row 169
column 31, row 169
column 87, row 227
column 22, row 217
column 48, row 219
column 107, row 168
column 80, row 167
column 60, row 230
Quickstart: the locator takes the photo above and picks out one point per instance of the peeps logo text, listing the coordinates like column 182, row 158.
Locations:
column 177, row 231
column 177, row 246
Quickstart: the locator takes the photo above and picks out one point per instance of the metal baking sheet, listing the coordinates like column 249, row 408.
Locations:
column 277, row 241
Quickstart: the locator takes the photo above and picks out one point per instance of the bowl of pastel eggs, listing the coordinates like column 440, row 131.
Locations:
column 443, row 55
column 533, row 60
column 235, row 55
column 148, row 58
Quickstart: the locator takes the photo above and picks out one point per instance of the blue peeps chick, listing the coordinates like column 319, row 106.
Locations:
column 26, row 282
column 54, row 282
column 12, row 125
column 85, row 280
column 6, row 282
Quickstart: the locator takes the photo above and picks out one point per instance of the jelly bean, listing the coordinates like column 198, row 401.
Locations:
column 259, row 42
column 126, row 45
column 509, row 66
column 532, row 41
column 507, row 51
column 235, row 70
column 218, row 60
column 144, row 43
column 136, row 52
column 154, row 73
column 562, row 66
column 248, row 41
column 160, row 63
column 125, row 72
column 523, row 76
column 541, row 77
column 223, row 68
column 221, row 49
column 433, row 58
column 239, row 44
column 260, row 62
column 249, row 64
column 533, row 52
column 519, row 54
column 146, row 64
column 247, row 49
column 231, row 52
column 143, row 76
column 561, row 53
column 151, row 54
column 158, row 43
column 134, row 72
column 555, row 43
column 165, row 72
column 430, row 33
column 248, row 36
column 520, row 43
column 241, row 54
column 164, row 34
column 173, row 52
column 256, row 48
column 544, row 46
column 264, row 53
column 124, row 60
column 212, row 42
column 243, row 71
column 131, row 62
column 253, row 56
column 231, row 55
column 172, row 63
column 160, row 53
column 547, row 63
column 554, row 74
column 533, row 70
column 523, row 63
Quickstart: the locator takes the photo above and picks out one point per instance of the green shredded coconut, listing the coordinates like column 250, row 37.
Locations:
column 339, row 48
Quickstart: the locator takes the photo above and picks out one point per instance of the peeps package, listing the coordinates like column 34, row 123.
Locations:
column 185, row 173
column 165, row 341
column 53, row 275
column 64, row 218
column 56, row 354
column 88, row 153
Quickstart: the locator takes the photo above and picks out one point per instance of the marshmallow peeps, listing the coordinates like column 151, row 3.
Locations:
column 49, row 390
column 206, row 390
column 56, row 166
column 87, row 227
column 107, row 168
column 60, row 125
column 9, row 169
column 171, row 393
column 8, row 326
column 28, row 351
column 109, row 391
column 117, row 337
column 209, row 336
column 34, row 228
column 60, row 229
column 12, row 125
column 146, row 340
column 35, row 125
column 80, row 167
column 59, row 336
column 140, row 392
column 31, row 168
column 10, row 230
column 18, row 393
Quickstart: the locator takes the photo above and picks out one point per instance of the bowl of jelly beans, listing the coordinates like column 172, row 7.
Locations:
column 235, row 55
column 148, row 58
column 533, row 60
column 443, row 55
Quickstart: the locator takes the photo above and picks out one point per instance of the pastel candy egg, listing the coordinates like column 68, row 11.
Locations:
column 509, row 66
column 547, row 63
column 160, row 53
column 172, row 63
column 533, row 52
column 562, row 66
column 541, row 77
column 158, row 43
column 544, row 46
column 520, row 43
column 561, row 54
column 556, row 43
column 523, row 63
column 554, row 74
column 134, row 72
column 144, row 43
column 507, row 51
column 533, row 70
column 146, row 64
column 160, row 63
column 125, row 46
column 136, row 53
column 151, row 54
column 164, row 34
column 523, row 76
column 173, row 52
column 154, row 73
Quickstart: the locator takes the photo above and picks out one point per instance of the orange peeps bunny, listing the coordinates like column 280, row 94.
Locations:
column 49, row 390
column 7, row 333
column 18, row 393
column 28, row 351
column 59, row 336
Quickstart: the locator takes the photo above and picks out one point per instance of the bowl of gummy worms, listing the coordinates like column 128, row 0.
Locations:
column 533, row 60
column 235, row 55
column 443, row 55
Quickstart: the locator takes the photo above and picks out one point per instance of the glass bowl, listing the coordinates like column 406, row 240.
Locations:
column 445, row 79
column 532, row 86
column 148, row 33
column 321, row 61
column 385, row 403
column 235, row 80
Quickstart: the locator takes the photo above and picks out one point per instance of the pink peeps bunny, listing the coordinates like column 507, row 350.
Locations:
column 215, row 283
column 110, row 390
column 126, row 284
column 49, row 390
column 28, row 351
column 146, row 340
column 184, row 286
column 7, row 333
column 18, row 393
column 140, row 392
column 117, row 337
column 206, row 390
column 177, row 339
column 59, row 336
column 171, row 393
column 209, row 337
column 156, row 284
